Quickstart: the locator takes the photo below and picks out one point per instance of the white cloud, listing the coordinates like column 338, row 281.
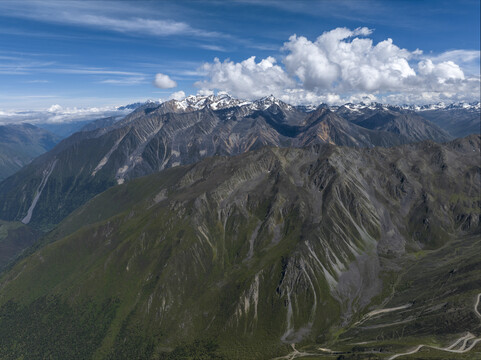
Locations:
column 309, row 63
column 468, row 60
column 246, row 79
column 334, row 62
column 125, row 81
column 344, row 64
column 93, row 71
column 154, row 27
column 304, row 97
column 54, row 108
column 124, row 18
column 37, row 81
column 440, row 73
column 204, row 92
column 59, row 114
column 459, row 55
column 163, row 81
column 212, row 47
column 178, row 95
column 425, row 97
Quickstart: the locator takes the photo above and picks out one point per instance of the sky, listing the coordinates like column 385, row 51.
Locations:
column 88, row 56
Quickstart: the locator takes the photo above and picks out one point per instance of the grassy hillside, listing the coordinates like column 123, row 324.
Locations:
column 14, row 238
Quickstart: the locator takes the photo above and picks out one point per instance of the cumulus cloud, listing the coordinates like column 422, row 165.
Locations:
column 468, row 60
column 344, row 64
column 163, row 81
column 178, row 95
column 333, row 61
column 440, row 73
column 246, row 79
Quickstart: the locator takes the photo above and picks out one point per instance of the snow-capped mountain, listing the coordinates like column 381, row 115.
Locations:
column 214, row 102
column 225, row 101
column 458, row 119
column 157, row 136
column 476, row 105
column 132, row 106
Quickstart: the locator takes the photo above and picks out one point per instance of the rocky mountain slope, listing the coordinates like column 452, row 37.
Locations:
column 455, row 120
column 408, row 124
column 21, row 143
column 158, row 136
column 238, row 257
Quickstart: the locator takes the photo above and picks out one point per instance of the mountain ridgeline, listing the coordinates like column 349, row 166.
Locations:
column 156, row 136
column 237, row 257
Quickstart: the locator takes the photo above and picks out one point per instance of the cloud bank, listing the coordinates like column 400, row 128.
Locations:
column 344, row 65
column 59, row 114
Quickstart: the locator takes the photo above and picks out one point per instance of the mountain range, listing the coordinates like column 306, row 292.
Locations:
column 458, row 121
column 237, row 257
column 218, row 228
column 158, row 136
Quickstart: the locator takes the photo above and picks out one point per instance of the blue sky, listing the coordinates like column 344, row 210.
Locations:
column 96, row 54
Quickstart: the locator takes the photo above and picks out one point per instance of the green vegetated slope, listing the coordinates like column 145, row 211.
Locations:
column 14, row 237
column 68, row 183
column 236, row 258
column 19, row 144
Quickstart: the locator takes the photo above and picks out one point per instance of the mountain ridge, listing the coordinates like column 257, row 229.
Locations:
column 156, row 136
column 153, row 138
column 147, row 139
column 267, row 248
